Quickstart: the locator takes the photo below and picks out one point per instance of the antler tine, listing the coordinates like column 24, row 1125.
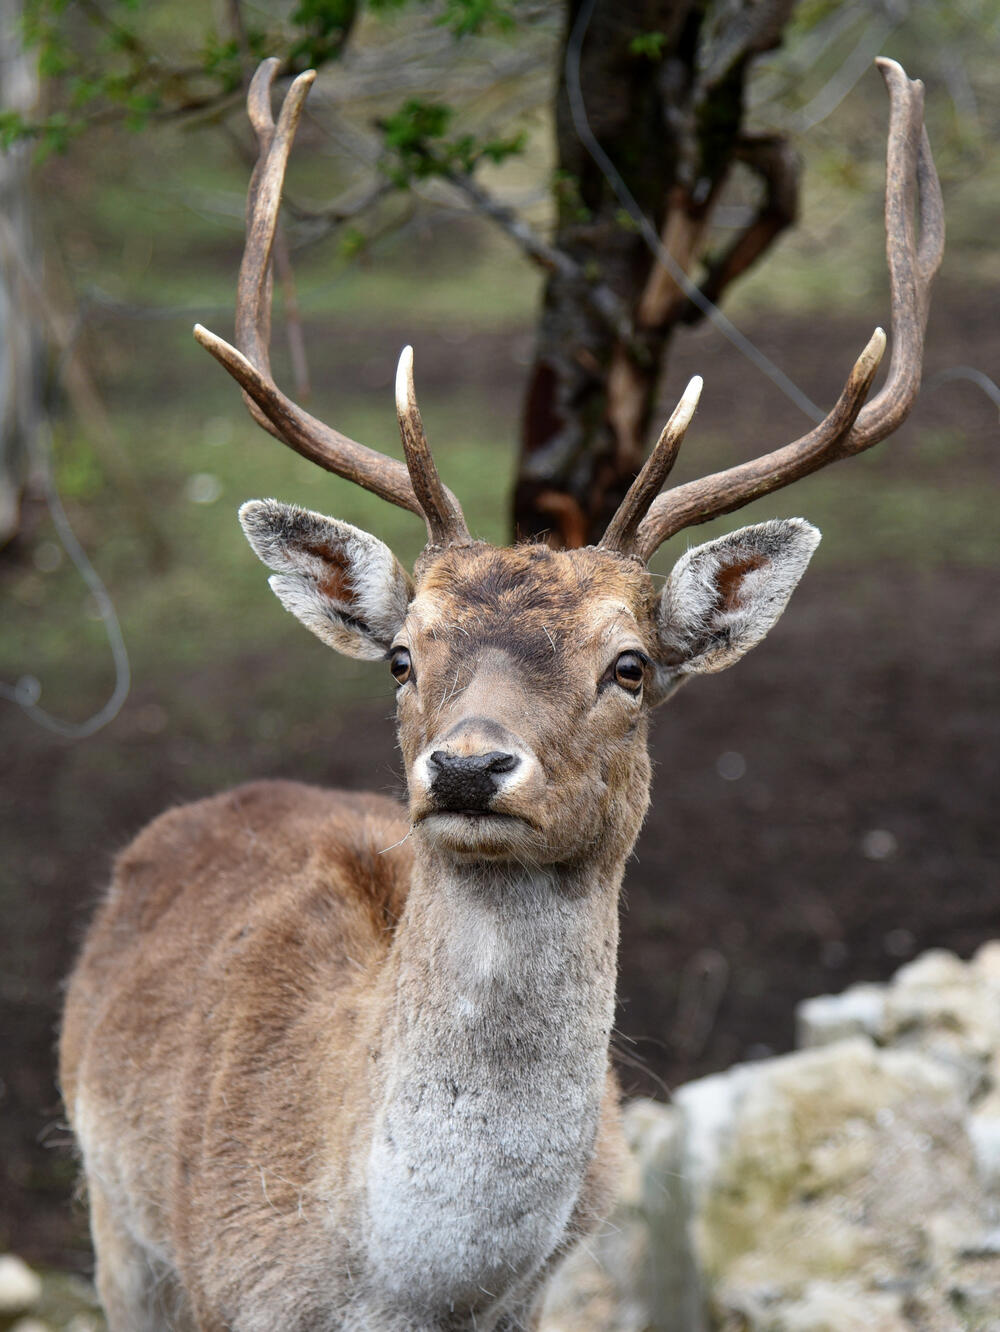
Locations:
column 620, row 532
column 254, row 285
column 698, row 501
column 851, row 426
column 445, row 520
column 912, row 262
column 250, row 364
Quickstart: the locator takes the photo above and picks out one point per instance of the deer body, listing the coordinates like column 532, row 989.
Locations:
column 326, row 1074
column 392, row 1162
column 334, row 1066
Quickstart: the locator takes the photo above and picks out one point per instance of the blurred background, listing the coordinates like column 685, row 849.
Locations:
column 820, row 814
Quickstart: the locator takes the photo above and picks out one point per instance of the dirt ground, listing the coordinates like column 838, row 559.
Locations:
column 820, row 814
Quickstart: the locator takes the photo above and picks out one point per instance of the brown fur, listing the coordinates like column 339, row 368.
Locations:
column 283, row 982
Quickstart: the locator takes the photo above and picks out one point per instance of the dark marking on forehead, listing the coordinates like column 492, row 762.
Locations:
column 533, row 580
column 503, row 582
column 532, row 603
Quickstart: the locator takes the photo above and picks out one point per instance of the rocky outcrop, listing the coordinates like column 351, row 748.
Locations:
column 854, row 1184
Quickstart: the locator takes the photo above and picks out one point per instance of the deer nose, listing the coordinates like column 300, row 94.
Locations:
column 468, row 781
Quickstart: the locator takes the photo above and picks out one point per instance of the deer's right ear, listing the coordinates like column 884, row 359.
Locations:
column 344, row 585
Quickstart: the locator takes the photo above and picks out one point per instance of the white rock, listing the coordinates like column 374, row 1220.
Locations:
column 20, row 1287
column 30, row 1325
column 986, row 963
column 937, row 967
column 859, row 1011
column 984, row 1131
column 852, row 1186
column 825, row 1306
column 820, row 1168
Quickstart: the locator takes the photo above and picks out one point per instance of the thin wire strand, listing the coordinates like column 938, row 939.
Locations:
column 581, row 123
column 969, row 372
column 850, row 73
column 28, row 690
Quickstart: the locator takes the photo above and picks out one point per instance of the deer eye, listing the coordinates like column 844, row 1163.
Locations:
column 630, row 670
column 400, row 664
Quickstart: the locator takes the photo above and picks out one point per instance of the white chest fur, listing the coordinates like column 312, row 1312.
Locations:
column 491, row 1097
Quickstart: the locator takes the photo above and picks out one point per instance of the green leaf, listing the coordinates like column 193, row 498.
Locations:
column 466, row 18
column 648, row 44
column 353, row 242
column 13, row 128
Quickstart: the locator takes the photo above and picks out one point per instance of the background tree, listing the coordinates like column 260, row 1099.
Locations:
column 649, row 121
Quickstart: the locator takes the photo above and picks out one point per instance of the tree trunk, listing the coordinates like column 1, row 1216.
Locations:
column 20, row 343
column 669, row 117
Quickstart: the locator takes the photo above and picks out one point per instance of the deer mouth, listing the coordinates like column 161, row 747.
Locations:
column 473, row 814
column 495, row 834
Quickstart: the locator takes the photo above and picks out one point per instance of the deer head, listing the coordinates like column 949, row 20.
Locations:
column 525, row 675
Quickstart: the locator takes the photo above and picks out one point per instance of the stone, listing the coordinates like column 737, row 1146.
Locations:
column 853, row 1184
column 948, row 1009
column 826, row 1306
column 859, row 1011
column 984, row 1132
column 822, row 1166
column 986, row 963
column 20, row 1287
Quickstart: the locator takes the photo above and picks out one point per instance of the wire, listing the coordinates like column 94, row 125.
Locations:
column 28, row 690
column 969, row 372
column 850, row 73
column 578, row 112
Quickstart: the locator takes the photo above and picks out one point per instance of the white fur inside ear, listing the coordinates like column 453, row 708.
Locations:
column 342, row 583
column 722, row 597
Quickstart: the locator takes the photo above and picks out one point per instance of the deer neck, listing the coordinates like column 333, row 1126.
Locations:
column 499, row 1005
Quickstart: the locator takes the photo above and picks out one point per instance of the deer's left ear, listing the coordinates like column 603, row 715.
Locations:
column 722, row 598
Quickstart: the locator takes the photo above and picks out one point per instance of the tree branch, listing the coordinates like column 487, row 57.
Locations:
column 776, row 162
column 549, row 257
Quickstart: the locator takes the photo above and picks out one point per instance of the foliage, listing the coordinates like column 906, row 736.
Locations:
column 417, row 146
column 102, row 61
column 649, row 44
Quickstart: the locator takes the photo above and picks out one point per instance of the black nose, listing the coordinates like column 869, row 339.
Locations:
column 468, row 781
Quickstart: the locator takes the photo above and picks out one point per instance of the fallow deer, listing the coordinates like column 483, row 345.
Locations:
column 337, row 1064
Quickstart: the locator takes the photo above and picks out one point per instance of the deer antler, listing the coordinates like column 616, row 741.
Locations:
column 851, row 426
column 441, row 509
column 621, row 531
column 249, row 361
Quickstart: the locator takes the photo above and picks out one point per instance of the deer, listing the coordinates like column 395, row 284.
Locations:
column 336, row 1063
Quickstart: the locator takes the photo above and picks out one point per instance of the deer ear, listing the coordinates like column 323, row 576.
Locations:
column 722, row 598
column 344, row 585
